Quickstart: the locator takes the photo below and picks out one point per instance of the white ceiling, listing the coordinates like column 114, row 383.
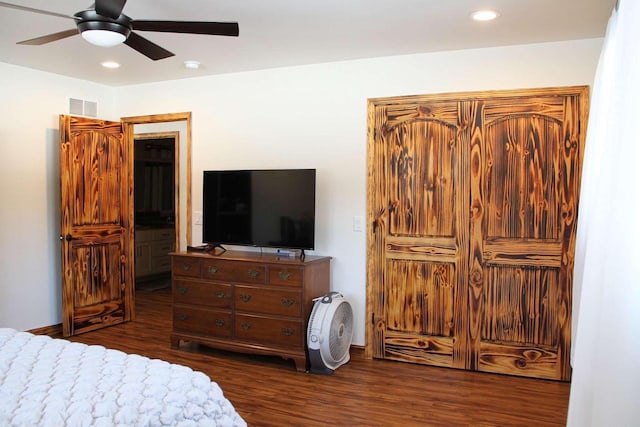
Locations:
column 279, row 33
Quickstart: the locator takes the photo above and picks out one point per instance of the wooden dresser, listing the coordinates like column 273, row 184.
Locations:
column 246, row 301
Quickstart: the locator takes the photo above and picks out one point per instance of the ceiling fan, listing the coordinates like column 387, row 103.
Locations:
column 104, row 24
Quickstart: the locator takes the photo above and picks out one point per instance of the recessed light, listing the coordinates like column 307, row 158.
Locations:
column 110, row 64
column 484, row 15
column 192, row 65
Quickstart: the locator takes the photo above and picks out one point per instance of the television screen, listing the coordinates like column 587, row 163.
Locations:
column 265, row 208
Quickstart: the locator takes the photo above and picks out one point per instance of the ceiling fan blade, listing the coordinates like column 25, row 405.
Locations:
column 146, row 47
column 50, row 37
column 31, row 9
column 188, row 27
column 109, row 8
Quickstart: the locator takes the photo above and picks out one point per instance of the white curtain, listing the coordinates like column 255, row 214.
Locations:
column 605, row 387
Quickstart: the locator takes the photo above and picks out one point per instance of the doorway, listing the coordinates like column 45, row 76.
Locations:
column 176, row 126
column 155, row 174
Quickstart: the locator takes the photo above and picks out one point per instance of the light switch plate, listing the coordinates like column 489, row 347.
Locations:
column 357, row 223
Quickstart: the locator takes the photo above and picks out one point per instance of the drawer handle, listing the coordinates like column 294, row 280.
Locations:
column 182, row 290
column 253, row 273
column 212, row 270
column 245, row 326
column 284, row 275
column 244, row 297
column 220, row 323
column 183, row 316
column 186, row 267
column 220, row 294
column 288, row 301
column 287, row 332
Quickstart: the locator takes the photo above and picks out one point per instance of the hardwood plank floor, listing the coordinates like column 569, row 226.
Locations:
column 267, row 391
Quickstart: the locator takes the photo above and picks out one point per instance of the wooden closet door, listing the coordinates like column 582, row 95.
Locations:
column 418, row 241
column 524, row 198
column 472, row 203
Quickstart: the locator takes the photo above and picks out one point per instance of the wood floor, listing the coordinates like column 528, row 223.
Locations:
column 267, row 391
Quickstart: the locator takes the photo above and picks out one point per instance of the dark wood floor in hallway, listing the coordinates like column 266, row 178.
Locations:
column 267, row 391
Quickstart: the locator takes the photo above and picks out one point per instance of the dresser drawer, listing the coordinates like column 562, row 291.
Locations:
column 233, row 271
column 199, row 293
column 188, row 267
column 201, row 321
column 267, row 330
column 267, row 301
column 285, row 276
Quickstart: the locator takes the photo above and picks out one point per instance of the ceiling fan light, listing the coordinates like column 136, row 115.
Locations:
column 104, row 38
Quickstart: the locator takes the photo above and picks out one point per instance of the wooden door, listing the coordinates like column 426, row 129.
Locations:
column 527, row 181
column 471, row 204
column 97, row 284
column 418, row 242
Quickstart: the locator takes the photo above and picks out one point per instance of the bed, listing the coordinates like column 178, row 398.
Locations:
column 55, row 382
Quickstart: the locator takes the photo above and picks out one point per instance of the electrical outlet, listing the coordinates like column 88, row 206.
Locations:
column 197, row 218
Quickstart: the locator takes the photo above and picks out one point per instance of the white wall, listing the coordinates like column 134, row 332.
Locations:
column 315, row 117
column 306, row 117
column 30, row 103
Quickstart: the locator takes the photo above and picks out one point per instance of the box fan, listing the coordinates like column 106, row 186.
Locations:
column 329, row 333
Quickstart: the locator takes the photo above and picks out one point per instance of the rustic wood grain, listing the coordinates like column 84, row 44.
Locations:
column 413, row 190
column 95, row 224
column 419, row 297
column 468, row 114
column 485, row 186
column 267, row 391
column 421, row 157
column 478, row 164
column 376, row 230
column 521, row 305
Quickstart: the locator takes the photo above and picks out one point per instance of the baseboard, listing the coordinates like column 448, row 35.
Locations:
column 54, row 331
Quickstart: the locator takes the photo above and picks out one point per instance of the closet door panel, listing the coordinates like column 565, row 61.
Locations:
column 529, row 158
column 522, row 305
column 522, row 158
column 423, row 333
column 415, row 232
column 421, row 158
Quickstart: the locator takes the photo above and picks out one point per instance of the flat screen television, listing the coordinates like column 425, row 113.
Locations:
column 264, row 208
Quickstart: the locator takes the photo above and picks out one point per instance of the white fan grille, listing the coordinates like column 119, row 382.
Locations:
column 341, row 331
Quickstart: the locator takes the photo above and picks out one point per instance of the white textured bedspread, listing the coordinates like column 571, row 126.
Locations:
column 55, row 382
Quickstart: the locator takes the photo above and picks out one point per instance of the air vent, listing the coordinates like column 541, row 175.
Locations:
column 81, row 107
